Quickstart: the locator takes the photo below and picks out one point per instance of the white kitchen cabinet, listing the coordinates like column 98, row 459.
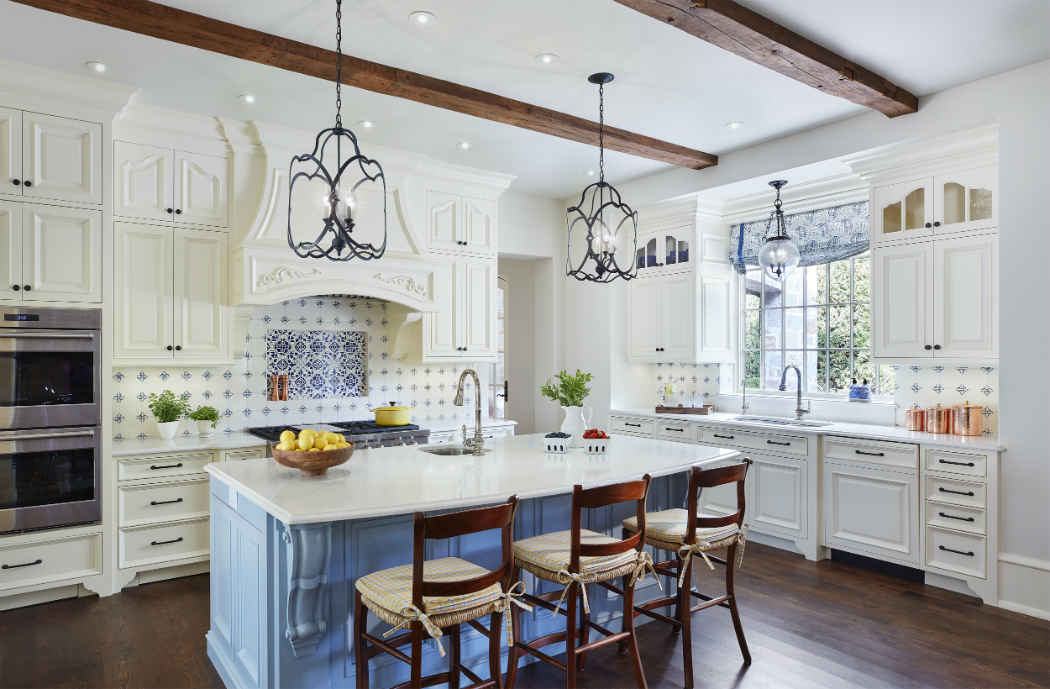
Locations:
column 461, row 225
column 778, row 496
column 682, row 317
column 10, row 152
column 11, row 244
column 162, row 184
column 936, row 299
column 872, row 510
column 463, row 327
column 61, row 254
column 61, row 159
column 663, row 251
column 170, row 286
column 644, row 335
column 966, row 199
column 903, row 210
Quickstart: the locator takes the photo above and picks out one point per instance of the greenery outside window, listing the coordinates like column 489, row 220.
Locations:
column 819, row 319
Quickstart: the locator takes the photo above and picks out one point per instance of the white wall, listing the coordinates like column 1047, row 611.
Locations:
column 1019, row 101
column 518, row 343
column 528, row 225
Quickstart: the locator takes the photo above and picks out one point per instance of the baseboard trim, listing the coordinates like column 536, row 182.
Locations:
column 1024, row 585
column 1024, row 609
column 1025, row 561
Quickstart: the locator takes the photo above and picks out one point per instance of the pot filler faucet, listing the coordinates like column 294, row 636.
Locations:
column 799, row 411
column 476, row 443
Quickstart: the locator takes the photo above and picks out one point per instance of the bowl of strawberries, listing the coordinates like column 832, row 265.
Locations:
column 596, row 441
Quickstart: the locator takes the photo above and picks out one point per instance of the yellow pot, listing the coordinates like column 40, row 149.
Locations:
column 393, row 415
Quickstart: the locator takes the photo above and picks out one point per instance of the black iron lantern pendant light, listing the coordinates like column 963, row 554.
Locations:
column 778, row 253
column 605, row 228
column 342, row 182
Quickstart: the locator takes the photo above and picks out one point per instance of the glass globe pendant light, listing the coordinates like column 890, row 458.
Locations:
column 778, row 253
column 341, row 184
column 606, row 228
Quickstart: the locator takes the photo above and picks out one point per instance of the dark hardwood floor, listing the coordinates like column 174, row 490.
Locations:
column 809, row 625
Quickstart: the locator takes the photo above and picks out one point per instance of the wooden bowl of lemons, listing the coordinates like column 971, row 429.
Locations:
column 312, row 452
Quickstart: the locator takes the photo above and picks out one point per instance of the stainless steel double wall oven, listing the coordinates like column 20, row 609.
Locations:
column 50, row 413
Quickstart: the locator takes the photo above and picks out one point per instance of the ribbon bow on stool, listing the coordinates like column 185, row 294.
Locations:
column 413, row 614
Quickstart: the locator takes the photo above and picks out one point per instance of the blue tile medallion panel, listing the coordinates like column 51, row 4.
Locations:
column 320, row 364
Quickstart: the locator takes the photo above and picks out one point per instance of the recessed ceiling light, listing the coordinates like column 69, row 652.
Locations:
column 96, row 67
column 590, row 173
column 422, row 17
column 464, row 145
column 735, row 124
column 366, row 124
column 546, row 58
column 247, row 98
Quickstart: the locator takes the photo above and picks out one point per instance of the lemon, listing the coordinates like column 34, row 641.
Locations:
column 287, row 436
column 341, row 438
column 283, row 445
column 305, row 442
column 319, row 441
column 330, row 447
column 314, row 449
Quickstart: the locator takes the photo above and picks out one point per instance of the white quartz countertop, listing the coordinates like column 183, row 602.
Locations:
column 852, row 430
column 444, row 426
column 398, row 480
column 189, row 443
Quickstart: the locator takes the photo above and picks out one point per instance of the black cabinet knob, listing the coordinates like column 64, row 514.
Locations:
column 16, row 182
column 178, row 348
column 27, row 287
column 169, row 348
column 16, row 287
column 928, row 225
column 27, row 183
column 927, row 348
column 936, row 346
column 169, row 211
column 178, row 211
column 936, row 223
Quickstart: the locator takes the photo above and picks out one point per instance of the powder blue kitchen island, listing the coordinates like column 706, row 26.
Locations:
column 286, row 548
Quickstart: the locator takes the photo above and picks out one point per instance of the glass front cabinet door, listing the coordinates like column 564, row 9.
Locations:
column 666, row 249
column 966, row 200
column 903, row 210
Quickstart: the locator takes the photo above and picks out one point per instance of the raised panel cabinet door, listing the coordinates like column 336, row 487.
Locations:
column 444, row 221
column 902, row 298
column 61, row 254
column 716, row 317
column 479, row 225
column 143, row 284
column 10, row 152
column 202, row 189
column 144, row 187
column 778, row 496
column 871, row 511
column 965, row 297
column 439, row 327
column 200, row 295
column 11, row 246
column 62, row 158
column 678, row 319
column 480, row 311
column 903, row 210
column 966, row 200
column 643, row 322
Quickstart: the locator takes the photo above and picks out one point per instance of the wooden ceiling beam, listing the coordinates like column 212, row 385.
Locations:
column 198, row 31
column 753, row 37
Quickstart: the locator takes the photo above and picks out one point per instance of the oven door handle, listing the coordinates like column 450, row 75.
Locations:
column 51, row 334
column 21, row 435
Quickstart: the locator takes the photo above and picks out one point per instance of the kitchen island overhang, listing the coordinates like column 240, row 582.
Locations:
column 286, row 548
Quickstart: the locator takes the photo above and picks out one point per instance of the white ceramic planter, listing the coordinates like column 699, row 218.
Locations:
column 167, row 430
column 205, row 428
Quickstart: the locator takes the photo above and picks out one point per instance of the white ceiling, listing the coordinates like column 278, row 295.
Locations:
column 669, row 85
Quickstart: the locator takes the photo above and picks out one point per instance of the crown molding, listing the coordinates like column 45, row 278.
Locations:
column 29, row 87
column 977, row 146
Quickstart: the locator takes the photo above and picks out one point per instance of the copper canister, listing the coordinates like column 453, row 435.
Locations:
column 939, row 419
column 915, row 418
column 967, row 419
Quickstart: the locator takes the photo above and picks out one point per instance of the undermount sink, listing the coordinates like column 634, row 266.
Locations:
column 451, row 450
column 781, row 421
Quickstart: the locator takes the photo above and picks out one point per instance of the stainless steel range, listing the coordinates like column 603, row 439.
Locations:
column 363, row 434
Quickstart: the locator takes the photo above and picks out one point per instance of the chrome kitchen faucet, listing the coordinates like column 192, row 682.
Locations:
column 477, row 443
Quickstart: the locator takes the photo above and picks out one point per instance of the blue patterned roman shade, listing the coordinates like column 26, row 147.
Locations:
column 822, row 236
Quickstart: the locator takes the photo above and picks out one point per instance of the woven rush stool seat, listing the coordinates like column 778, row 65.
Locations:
column 666, row 530
column 547, row 554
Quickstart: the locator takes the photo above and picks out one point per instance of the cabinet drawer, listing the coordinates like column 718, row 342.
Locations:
column 164, row 502
column 772, row 444
column 956, row 462
column 40, row 563
column 151, row 544
column 957, row 552
column 673, row 430
column 246, row 453
column 162, row 466
column 901, row 455
column 955, row 517
column 955, row 492
column 632, row 425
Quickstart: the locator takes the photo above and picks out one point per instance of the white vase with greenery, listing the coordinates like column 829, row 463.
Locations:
column 206, row 418
column 167, row 410
column 569, row 390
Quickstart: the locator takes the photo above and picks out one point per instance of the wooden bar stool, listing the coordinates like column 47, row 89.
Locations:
column 686, row 533
column 437, row 596
column 575, row 558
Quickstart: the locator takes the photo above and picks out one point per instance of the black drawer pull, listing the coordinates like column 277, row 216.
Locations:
column 676, row 430
column 174, row 540
column 952, row 516
column 958, row 464
column 967, row 493
column 870, row 454
column 723, row 437
column 154, row 467
column 24, row 564
column 776, row 442
column 632, row 425
column 967, row 553
column 154, row 503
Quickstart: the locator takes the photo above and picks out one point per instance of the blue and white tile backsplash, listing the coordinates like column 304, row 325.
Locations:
column 342, row 347
column 691, row 384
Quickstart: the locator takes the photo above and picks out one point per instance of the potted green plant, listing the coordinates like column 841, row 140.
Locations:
column 206, row 418
column 569, row 390
column 167, row 410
